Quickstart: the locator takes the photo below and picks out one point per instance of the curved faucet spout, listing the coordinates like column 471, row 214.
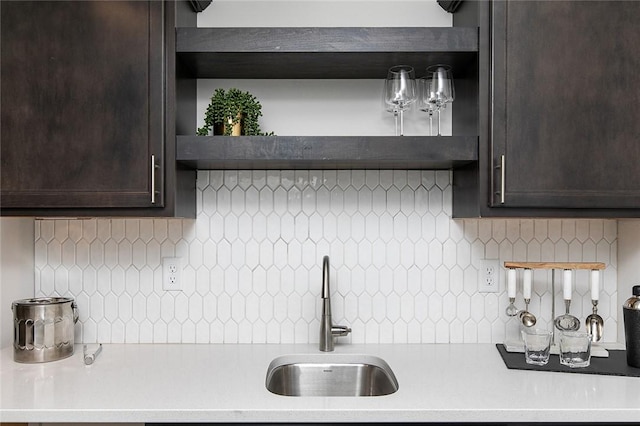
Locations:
column 326, row 293
column 327, row 329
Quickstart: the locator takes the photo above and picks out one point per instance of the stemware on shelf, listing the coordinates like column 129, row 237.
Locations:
column 442, row 87
column 426, row 101
column 388, row 106
column 400, row 91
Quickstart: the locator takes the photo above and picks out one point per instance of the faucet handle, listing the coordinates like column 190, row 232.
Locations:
column 340, row 330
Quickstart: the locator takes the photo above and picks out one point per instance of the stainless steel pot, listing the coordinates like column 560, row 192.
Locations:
column 43, row 329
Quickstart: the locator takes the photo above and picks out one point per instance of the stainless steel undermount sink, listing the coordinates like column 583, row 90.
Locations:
column 330, row 375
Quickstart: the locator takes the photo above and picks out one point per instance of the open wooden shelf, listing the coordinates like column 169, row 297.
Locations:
column 324, row 53
column 330, row 53
column 326, row 152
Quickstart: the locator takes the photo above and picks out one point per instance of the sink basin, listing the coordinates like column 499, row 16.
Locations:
column 330, row 375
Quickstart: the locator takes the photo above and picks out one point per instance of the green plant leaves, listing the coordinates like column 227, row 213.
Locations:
column 230, row 107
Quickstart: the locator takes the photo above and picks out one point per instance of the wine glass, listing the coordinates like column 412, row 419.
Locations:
column 426, row 99
column 442, row 87
column 388, row 106
column 400, row 90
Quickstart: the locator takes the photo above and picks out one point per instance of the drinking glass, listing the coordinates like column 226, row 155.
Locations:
column 400, row 90
column 537, row 346
column 442, row 87
column 426, row 99
column 575, row 349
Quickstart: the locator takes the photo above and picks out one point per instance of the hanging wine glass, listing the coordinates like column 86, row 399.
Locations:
column 400, row 90
column 442, row 87
column 426, row 99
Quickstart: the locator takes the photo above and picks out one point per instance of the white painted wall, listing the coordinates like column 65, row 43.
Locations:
column 323, row 13
column 16, row 269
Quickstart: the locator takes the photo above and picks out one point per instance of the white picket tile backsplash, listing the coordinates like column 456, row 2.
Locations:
column 402, row 270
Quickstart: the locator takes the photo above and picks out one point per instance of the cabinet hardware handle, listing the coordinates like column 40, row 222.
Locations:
column 153, row 178
column 502, row 178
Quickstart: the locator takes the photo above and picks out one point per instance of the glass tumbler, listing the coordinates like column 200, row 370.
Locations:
column 575, row 349
column 537, row 345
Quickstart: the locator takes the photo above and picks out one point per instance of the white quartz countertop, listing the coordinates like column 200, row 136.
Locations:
column 226, row 383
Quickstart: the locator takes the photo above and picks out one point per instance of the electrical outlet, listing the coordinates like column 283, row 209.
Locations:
column 489, row 276
column 171, row 274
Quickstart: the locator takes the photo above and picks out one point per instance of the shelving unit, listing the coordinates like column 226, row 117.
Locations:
column 324, row 53
column 331, row 53
column 326, row 152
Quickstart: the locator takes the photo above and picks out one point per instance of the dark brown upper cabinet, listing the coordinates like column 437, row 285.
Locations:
column 88, row 110
column 559, row 111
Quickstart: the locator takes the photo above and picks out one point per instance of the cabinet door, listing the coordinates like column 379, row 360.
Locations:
column 82, row 104
column 566, row 104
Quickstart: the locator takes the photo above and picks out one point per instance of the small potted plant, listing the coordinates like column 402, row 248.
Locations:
column 232, row 113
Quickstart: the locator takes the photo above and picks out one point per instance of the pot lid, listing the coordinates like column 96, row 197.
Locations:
column 634, row 301
column 44, row 301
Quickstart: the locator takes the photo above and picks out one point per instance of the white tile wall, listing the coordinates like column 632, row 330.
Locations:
column 402, row 269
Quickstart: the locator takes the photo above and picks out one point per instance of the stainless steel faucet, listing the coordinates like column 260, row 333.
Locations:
column 327, row 330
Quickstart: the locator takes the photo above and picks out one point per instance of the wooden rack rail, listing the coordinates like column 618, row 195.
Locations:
column 555, row 265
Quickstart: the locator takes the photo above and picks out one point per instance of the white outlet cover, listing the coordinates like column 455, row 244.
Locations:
column 172, row 274
column 489, row 276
